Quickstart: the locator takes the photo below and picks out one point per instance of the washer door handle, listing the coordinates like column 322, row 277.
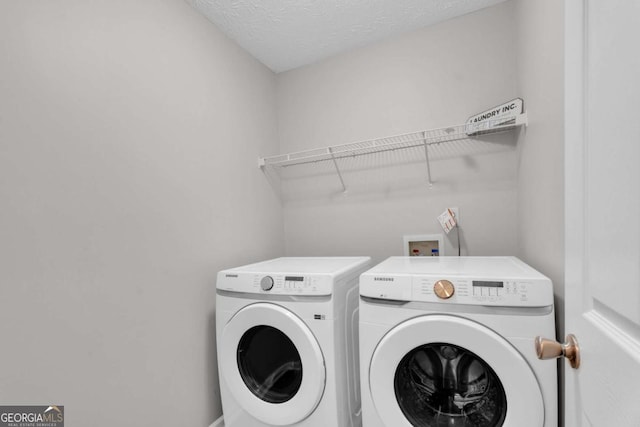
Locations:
column 551, row 349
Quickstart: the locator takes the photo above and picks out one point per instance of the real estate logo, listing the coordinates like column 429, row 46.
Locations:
column 32, row 416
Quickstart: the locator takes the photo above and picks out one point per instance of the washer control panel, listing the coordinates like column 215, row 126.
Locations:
column 277, row 284
column 511, row 292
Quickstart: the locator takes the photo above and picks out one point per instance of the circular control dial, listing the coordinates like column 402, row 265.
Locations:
column 266, row 283
column 444, row 289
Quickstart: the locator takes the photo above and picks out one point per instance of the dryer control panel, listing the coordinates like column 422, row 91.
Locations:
column 277, row 284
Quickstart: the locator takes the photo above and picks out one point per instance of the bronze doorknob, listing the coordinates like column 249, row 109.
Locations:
column 551, row 349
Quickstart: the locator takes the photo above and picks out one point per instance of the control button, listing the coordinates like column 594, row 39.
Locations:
column 266, row 283
column 444, row 289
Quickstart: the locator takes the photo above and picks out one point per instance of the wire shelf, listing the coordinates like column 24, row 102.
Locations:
column 420, row 139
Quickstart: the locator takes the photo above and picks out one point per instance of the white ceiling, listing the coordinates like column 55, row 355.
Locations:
column 286, row 34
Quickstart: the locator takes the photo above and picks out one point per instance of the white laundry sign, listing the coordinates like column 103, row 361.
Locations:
column 447, row 220
column 495, row 116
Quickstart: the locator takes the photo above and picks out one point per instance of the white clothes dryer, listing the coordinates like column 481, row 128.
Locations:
column 287, row 337
column 449, row 341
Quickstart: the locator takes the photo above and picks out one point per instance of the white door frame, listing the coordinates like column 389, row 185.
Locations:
column 601, row 133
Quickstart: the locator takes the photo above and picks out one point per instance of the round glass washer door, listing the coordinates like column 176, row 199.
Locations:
column 272, row 364
column 439, row 370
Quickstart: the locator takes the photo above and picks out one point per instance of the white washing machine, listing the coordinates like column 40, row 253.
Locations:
column 287, row 335
column 449, row 341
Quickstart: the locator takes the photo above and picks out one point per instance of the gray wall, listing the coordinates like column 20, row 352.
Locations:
column 540, row 42
column 129, row 132
column 435, row 77
column 540, row 59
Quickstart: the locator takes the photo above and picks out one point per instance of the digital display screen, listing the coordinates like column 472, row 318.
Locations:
column 294, row 279
column 487, row 284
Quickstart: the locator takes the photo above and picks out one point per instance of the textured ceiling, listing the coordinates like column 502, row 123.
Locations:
column 286, row 34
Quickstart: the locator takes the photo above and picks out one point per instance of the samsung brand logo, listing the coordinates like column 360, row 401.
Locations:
column 230, row 275
column 383, row 279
